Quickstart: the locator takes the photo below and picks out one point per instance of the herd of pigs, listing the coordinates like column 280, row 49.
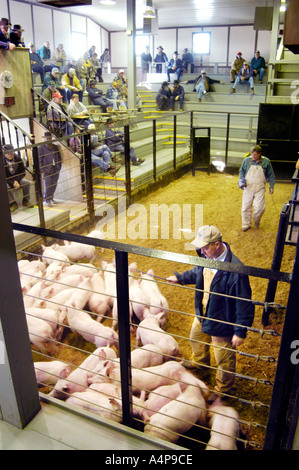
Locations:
column 61, row 293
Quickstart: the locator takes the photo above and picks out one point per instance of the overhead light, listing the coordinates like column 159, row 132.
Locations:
column 149, row 11
column 108, row 2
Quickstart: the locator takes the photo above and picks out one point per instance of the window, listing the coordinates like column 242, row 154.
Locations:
column 140, row 43
column 78, row 45
column 201, row 43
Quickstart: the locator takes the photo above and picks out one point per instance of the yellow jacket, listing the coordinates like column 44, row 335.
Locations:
column 65, row 81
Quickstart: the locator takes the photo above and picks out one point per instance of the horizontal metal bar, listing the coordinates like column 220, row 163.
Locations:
column 153, row 253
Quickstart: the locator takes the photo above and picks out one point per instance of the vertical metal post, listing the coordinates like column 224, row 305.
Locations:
column 227, row 138
column 277, row 426
column 131, row 34
column 127, row 163
column 174, row 142
column 277, row 258
column 38, row 183
column 88, row 175
column 154, row 150
column 19, row 400
column 122, row 286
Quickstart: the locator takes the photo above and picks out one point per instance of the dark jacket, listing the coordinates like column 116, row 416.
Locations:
column 17, row 168
column 163, row 93
column 238, row 312
column 4, row 41
column 209, row 81
column 114, row 138
column 49, row 159
column 94, row 93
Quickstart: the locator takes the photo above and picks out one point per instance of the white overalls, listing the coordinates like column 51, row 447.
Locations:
column 254, row 194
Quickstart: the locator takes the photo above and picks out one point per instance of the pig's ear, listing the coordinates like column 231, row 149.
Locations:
column 150, row 272
column 64, row 373
column 43, row 247
column 104, row 264
column 115, row 404
column 146, row 312
column 133, row 266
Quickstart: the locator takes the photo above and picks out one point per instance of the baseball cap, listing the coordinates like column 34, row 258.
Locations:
column 55, row 70
column 7, row 148
column 72, row 71
column 205, row 235
column 56, row 95
column 203, row 71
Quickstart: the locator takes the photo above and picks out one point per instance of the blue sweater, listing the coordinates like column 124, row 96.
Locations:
column 238, row 312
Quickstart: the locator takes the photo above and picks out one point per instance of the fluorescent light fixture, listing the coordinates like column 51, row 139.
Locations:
column 282, row 8
column 107, row 2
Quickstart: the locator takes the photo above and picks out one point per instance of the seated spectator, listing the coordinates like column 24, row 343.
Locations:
column 37, row 64
column 4, row 37
column 72, row 64
column 96, row 69
column 113, row 95
column 83, row 70
column 96, row 96
column 16, row 35
column 174, row 66
column 101, row 155
column 146, row 59
column 258, row 65
column 115, row 141
column 202, row 84
column 72, row 84
column 58, row 116
column 15, row 177
column 78, row 112
column 91, row 51
column 105, row 60
column 161, row 58
column 164, row 98
column 75, row 142
column 178, row 93
column 187, row 58
column 59, row 57
column 48, row 95
column 244, row 76
column 236, row 66
column 45, row 54
column 53, row 76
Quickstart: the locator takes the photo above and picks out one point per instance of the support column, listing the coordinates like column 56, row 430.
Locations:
column 19, row 400
column 131, row 33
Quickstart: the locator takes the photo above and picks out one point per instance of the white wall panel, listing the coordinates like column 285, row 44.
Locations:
column 105, row 39
column 242, row 39
column 78, row 24
column 43, row 27
column 21, row 14
column 263, row 44
column 3, row 9
column 167, row 39
column 119, row 57
column 62, row 31
column 94, row 36
column 219, row 37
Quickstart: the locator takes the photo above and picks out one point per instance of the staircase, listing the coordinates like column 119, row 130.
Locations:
column 283, row 72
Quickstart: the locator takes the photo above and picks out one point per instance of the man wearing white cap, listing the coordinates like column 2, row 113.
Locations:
column 228, row 314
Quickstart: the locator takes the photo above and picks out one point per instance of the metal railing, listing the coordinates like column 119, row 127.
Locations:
column 132, row 411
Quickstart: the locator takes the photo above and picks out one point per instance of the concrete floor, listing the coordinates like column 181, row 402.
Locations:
column 57, row 428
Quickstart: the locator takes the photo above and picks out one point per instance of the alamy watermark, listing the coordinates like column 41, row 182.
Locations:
column 153, row 222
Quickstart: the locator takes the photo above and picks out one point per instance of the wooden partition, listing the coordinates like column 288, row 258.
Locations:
column 17, row 63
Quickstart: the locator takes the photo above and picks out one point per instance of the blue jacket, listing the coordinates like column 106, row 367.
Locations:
column 179, row 63
column 238, row 312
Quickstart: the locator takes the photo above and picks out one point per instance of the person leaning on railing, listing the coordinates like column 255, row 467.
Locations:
column 15, row 177
column 4, row 37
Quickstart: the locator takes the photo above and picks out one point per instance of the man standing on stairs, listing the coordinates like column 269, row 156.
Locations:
column 50, row 166
column 254, row 172
column 245, row 76
column 115, row 141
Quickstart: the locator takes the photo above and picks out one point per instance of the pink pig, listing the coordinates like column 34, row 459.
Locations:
column 149, row 332
column 178, row 416
column 224, row 423
column 149, row 286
